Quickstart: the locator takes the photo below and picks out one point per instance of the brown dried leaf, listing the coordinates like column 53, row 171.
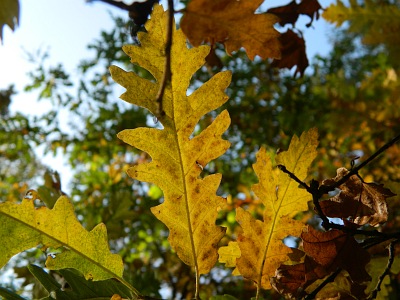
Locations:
column 293, row 53
column 291, row 280
column 310, row 8
column 361, row 202
column 337, row 249
column 288, row 14
column 140, row 11
column 234, row 24
column 213, row 60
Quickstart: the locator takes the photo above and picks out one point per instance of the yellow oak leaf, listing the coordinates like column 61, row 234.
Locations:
column 234, row 24
column 228, row 256
column 23, row 227
column 190, row 204
column 261, row 246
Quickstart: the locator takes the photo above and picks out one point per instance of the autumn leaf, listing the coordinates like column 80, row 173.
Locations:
column 361, row 202
column 289, row 13
column 261, row 246
column 325, row 252
column 234, row 24
column 24, row 227
column 293, row 53
column 337, row 249
column 190, row 204
column 228, row 256
column 291, row 280
column 9, row 15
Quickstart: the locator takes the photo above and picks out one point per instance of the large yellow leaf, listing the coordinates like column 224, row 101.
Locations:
column 234, row 24
column 23, row 227
column 190, row 203
column 261, row 246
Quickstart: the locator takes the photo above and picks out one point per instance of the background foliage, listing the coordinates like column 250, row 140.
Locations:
column 351, row 96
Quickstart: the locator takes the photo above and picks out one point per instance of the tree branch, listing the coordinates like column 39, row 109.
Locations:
column 325, row 189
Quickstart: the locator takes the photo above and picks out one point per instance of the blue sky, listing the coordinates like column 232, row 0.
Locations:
column 63, row 27
column 66, row 27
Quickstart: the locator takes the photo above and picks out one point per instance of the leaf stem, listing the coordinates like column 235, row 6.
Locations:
column 167, row 67
column 258, row 291
column 196, row 296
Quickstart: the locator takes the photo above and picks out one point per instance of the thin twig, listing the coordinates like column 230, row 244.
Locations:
column 354, row 171
column 167, row 67
column 374, row 293
column 294, row 177
column 328, row 279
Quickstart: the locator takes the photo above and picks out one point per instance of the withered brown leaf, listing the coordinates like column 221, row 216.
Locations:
column 293, row 53
column 358, row 202
column 324, row 253
column 337, row 249
column 233, row 23
column 292, row 280
column 288, row 14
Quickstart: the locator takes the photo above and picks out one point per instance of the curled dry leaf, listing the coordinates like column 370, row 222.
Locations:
column 359, row 202
column 293, row 53
column 234, row 24
column 292, row 280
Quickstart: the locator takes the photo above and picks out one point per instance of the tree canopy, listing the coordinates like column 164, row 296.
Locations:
column 234, row 167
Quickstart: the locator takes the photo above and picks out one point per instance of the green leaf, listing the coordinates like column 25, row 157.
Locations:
column 6, row 294
column 24, row 227
column 79, row 287
column 50, row 284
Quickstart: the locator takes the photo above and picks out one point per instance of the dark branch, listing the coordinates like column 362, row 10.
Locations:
column 167, row 68
column 328, row 279
column 354, row 171
column 294, row 177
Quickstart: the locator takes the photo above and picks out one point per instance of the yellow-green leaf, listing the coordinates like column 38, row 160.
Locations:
column 261, row 246
column 228, row 256
column 375, row 268
column 377, row 23
column 190, row 203
column 23, row 227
